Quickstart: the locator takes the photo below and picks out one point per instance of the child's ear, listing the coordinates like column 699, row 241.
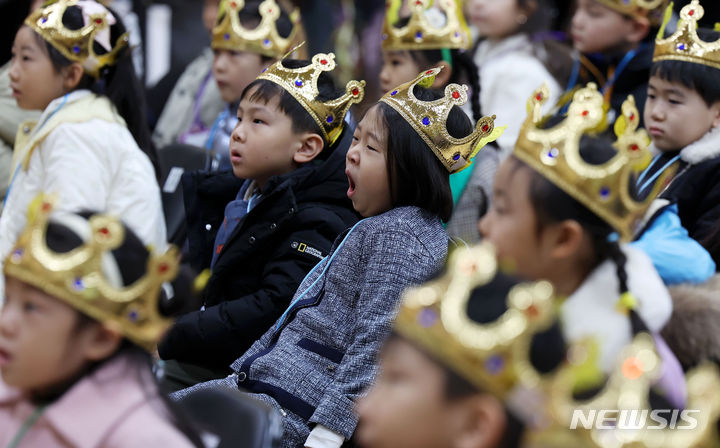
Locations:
column 529, row 9
column 715, row 111
column 639, row 29
column 566, row 238
column 482, row 424
column 72, row 74
column 101, row 342
column 443, row 78
column 311, row 144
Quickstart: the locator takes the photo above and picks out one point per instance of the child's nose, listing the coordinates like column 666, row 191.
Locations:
column 353, row 155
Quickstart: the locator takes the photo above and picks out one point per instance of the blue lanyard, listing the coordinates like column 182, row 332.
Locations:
column 654, row 176
column 322, row 274
column 17, row 168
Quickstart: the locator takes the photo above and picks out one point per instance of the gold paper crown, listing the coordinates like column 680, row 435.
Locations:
column 494, row 356
column 230, row 34
column 652, row 9
column 429, row 118
column 685, row 44
column 626, row 396
column 77, row 277
column 419, row 33
column 605, row 188
column 301, row 83
column 77, row 45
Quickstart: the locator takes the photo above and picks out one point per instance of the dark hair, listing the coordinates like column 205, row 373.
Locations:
column 118, row 82
column 131, row 258
column 701, row 78
column 551, row 205
column 416, row 175
column 262, row 90
column 249, row 17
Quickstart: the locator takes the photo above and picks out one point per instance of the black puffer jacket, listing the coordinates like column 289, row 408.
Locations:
column 289, row 230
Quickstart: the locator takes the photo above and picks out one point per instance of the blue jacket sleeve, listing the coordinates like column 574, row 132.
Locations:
column 677, row 257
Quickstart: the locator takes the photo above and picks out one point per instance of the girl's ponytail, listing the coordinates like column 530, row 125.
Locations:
column 464, row 67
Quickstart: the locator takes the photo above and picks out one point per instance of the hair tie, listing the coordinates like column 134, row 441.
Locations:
column 626, row 302
column 613, row 237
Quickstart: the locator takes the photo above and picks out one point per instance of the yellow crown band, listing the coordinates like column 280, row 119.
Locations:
column 419, row 33
column 685, row 44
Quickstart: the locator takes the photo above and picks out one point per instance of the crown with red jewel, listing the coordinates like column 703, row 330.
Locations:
column 264, row 39
column 301, row 83
column 420, row 33
column 685, row 44
column 604, row 188
column 78, row 45
column 87, row 278
column 428, row 119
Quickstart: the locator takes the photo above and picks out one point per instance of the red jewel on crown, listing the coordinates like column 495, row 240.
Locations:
column 456, row 94
column 104, row 231
column 355, row 91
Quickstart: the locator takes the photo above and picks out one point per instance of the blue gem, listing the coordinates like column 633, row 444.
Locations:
column 427, row 317
column 133, row 315
column 681, row 47
column 604, row 192
column 426, row 121
column 329, row 119
column 393, row 93
column 226, row 36
column 456, row 156
column 384, row 36
column 418, row 35
column 264, row 70
column 457, row 34
column 76, row 49
column 18, row 253
column 266, row 42
column 495, row 364
column 78, row 284
column 298, row 83
column 553, row 153
column 44, row 19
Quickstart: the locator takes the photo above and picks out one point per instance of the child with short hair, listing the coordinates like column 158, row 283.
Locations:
column 682, row 115
column 263, row 226
column 320, row 355
column 613, row 40
column 82, row 315
column 248, row 37
column 91, row 146
column 437, row 36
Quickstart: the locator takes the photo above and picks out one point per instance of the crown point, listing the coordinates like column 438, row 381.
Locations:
column 456, row 94
column 426, row 121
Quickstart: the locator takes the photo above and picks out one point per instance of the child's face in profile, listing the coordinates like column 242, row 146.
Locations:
column 263, row 143
column 496, row 19
column 41, row 345
column 33, row 78
column 398, row 68
column 235, row 70
column 595, row 28
column 366, row 166
column 407, row 406
column 511, row 224
column 676, row 116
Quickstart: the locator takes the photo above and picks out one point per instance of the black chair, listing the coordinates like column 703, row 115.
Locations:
column 228, row 418
column 174, row 160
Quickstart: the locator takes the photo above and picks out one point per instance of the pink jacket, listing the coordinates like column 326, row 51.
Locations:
column 108, row 409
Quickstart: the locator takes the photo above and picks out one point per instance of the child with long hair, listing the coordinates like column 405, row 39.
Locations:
column 417, row 38
column 81, row 317
column 321, row 353
column 562, row 206
column 91, row 146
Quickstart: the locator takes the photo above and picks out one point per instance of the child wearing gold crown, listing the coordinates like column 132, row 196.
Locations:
column 476, row 359
column 320, row 354
column 427, row 37
column 613, row 43
column 563, row 205
column 682, row 115
column 248, row 37
column 260, row 228
column 81, row 316
column 91, row 146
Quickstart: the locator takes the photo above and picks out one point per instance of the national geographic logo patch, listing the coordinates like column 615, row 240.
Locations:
column 304, row 248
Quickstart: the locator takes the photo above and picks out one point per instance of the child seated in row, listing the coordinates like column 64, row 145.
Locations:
column 81, row 317
column 321, row 354
column 262, row 227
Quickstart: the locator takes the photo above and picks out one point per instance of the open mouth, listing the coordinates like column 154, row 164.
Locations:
column 5, row 357
column 351, row 189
